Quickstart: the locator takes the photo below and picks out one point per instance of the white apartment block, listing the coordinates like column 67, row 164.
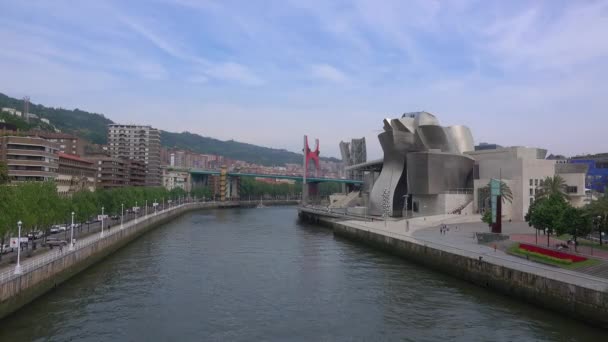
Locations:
column 137, row 142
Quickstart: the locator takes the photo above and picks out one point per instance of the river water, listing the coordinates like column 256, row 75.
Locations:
column 258, row 274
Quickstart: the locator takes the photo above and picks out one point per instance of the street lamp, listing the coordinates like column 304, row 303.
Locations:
column 102, row 217
column 146, row 208
column 72, row 234
column 18, row 266
column 122, row 214
column 136, row 211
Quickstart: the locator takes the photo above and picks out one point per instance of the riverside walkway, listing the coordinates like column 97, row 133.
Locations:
column 461, row 240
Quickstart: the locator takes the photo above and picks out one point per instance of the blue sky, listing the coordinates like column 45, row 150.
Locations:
column 527, row 73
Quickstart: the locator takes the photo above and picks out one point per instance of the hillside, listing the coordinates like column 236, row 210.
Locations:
column 93, row 126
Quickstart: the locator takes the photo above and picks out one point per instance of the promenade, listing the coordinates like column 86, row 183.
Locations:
column 461, row 240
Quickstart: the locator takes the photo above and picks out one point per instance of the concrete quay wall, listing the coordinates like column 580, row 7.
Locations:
column 26, row 287
column 587, row 304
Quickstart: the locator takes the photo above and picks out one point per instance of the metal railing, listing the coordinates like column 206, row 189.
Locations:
column 29, row 265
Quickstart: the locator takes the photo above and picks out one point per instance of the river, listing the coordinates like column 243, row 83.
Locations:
column 259, row 274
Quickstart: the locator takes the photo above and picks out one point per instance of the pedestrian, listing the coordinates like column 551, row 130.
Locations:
column 60, row 248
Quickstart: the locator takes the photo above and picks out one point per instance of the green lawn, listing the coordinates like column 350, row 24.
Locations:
column 544, row 259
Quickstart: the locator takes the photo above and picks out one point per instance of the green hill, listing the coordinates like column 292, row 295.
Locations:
column 93, row 127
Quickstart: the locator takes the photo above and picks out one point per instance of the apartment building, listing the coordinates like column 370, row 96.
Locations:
column 137, row 173
column 74, row 174
column 136, row 142
column 68, row 143
column 29, row 158
column 110, row 172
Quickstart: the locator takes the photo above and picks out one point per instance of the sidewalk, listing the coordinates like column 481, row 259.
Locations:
column 461, row 240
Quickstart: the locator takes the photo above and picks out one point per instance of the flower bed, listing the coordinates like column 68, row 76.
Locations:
column 551, row 253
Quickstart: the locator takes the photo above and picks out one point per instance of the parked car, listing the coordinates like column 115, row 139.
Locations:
column 62, row 228
column 35, row 235
column 6, row 249
column 54, row 242
column 54, row 230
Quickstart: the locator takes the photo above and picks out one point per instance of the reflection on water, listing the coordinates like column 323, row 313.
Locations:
column 258, row 274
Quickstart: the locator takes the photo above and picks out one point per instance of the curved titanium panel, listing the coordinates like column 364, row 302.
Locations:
column 462, row 138
column 425, row 119
column 392, row 178
column 431, row 173
column 435, row 138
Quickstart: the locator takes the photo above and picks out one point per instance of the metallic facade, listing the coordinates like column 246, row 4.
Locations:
column 421, row 158
column 353, row 153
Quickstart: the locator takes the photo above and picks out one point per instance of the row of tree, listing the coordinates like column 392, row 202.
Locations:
column 38, row 205
column 552, row 213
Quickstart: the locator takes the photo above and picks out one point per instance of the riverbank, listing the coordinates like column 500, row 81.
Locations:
column 579, row 296
column 47, row 270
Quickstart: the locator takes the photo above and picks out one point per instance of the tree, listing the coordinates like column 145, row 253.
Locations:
column 555, row 185
column 487, row 217
column 573, row 221
column 597, row 211
column 3, row 173
column 505, row 190
column 545, row 214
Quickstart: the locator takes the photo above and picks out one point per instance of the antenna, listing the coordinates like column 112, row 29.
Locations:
column 26, row 108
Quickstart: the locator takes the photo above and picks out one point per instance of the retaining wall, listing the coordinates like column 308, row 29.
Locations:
column 582, row 303
column 22, row 289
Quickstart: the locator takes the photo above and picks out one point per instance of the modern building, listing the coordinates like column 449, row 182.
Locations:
column 353, row 153
column 176, row 179
column 597, row 174
column 137, row 173
column 486, row 146
column 574, row 175
column 68, row 143
column 425, row 170
column 136, row 142
column 523, row 170
column 110, row 172
column 74, row 174
column 29, row 158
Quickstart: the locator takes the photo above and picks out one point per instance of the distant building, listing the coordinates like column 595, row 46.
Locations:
column 137, row 142
column 110, row 172
column 29, row 158
column 137, row 173
column 485, row 146
column 68, row 143
column 74, row 174
column 12, row 111
column 176, row 179
column 6, row 127
column 597, row 174
column 353, row 153
column 46, row 121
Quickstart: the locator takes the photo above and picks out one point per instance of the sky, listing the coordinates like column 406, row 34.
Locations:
column 525, row 73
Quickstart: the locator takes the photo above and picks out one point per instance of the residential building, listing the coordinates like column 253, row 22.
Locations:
column 137, row 142
column 137, row 173
column 111, row 172
column 29, row 158
column 176, row 179
column 74, row 174
column 68, row 143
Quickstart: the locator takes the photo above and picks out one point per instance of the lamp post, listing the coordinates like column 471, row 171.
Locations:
column 136, row 211
column 72, row 234
column 122, row 214
column 102, row 217
column 146, row 208
column 18, row 266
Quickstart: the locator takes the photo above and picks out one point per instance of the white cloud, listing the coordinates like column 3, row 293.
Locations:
column 327, row 72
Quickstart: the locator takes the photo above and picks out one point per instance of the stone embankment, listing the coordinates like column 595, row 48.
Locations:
column 44, row 272
column 574, row 294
